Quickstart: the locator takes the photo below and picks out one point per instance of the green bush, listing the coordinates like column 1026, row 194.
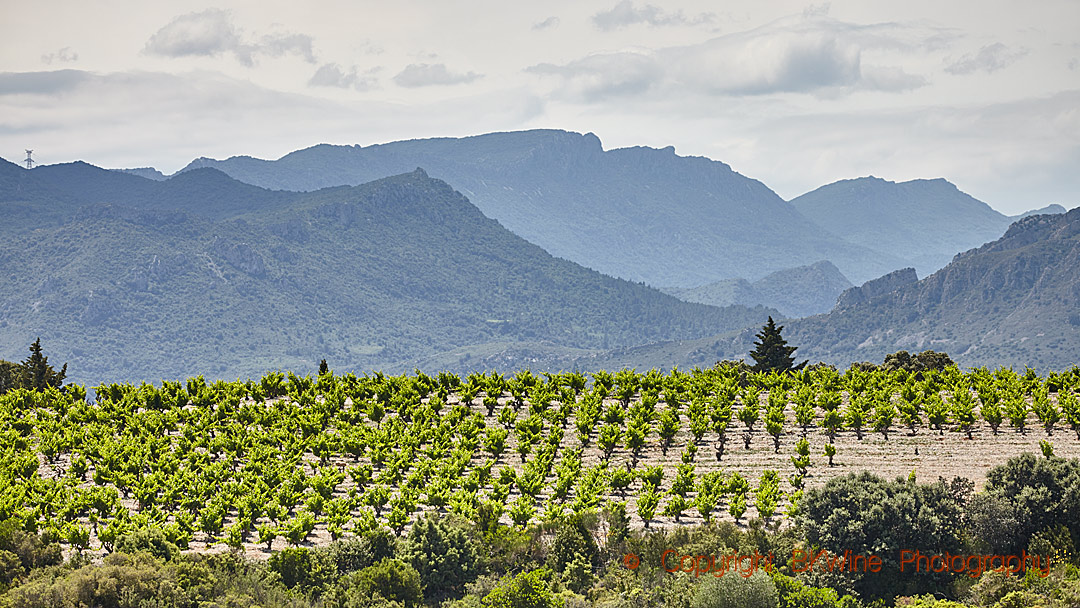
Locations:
column 526, row 590
column 736, row 591
column 354, row 554
column 299, row 567
column 123, row 580
column 390, row 580
column 445, row 556
column 31, row 551
column 152, row 540
column 573, row 544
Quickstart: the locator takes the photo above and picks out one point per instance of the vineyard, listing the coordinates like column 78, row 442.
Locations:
column 289, row 460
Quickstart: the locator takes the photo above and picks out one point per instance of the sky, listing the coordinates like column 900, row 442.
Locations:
column 985, row 93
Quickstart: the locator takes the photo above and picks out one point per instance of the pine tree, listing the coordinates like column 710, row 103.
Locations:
column 771, row 352
column 36, row 372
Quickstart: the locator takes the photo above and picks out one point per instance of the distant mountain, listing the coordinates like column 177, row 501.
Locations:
column 795, row 292
column 877, row 287
column 641, row 214
column 923, row 222
column 147, row 172
column 127, row 278
column 1051, row 209
column 1012, row 302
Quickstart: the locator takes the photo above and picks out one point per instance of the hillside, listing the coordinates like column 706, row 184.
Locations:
column 795, row 292
column 924, row 222
column 639, row 213
column 1012, row 302
column 209, row 275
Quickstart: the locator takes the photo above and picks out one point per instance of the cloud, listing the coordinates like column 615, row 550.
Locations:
column 277, row 45
column 211, row 33
column 890, row 79
column 625, row 13
column 758, row 63
column 602, row 76
column 431, row 74
column 990, row 58
column 103, row 117
column 64, row 55
column 549, row 23
column 332, row 75
column 812, row 54
column 41, row 83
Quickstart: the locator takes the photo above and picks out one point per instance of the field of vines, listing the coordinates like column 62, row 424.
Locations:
column 285, row 460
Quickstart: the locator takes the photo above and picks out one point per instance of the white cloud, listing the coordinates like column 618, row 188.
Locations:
column 547, row 24
column 602, row 76
column 56, row 82
column 125, row 119
column 332, row 75
column 626, row 13
column 813, row 54
column 432, row 74
column 211, row 33
column 990, row 58
column 64, row 55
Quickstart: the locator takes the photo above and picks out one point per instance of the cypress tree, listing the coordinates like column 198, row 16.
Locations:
column 771, row 352
column 37, row 374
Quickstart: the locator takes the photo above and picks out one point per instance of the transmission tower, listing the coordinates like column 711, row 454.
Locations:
column 29, row 161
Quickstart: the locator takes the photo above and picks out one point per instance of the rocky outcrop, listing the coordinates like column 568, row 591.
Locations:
column 877, row 287
column 240, row 256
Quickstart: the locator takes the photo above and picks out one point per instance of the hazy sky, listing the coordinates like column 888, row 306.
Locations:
column 985, row 93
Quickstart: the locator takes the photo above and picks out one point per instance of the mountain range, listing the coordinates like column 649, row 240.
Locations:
column 129, row 278
column 234, row 267
column 795, row 292
column 650, row 215
column 924, row 222
column 642, row 214
column 1013, row 302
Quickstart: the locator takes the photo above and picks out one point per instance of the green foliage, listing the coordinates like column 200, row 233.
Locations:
column 771, row 352
column 1039, row 494
column 526, row 590
column 883, row 518
column 34, row 373
column 574, row 553
column 444, row 554
column 389, row 579
column 754, row 591
column 151, row 539
column 917, row 364
column 307, row 570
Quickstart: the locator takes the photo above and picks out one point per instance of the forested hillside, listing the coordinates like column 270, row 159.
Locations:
column 131, row 278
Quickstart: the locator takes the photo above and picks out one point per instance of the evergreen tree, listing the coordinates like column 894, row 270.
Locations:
column 37, row 374
column 771, row 352
column 9, row 376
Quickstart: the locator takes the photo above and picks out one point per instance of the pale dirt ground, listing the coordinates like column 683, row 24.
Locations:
column 949, row 454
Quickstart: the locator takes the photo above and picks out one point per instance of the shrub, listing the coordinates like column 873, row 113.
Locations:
column 151, row 539
column 390, row 579
column 526, row 590
column 444, row 555
column 755, row 591
column 299, row 567
column 573, row 544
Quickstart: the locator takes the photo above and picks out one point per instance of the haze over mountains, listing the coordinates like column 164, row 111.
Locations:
column 650, row 215
column 924, row 222
column 637, row 213
column 131, row 275
column 795, row 292
column 1013, row 302
column 126, row 278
